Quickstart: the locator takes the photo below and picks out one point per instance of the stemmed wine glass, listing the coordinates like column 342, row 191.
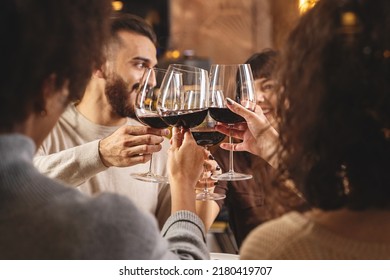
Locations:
column 205, row 135
column 183, row 99
column 146, row 112
column 234, row 81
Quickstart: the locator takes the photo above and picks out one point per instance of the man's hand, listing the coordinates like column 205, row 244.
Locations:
column 131, row 145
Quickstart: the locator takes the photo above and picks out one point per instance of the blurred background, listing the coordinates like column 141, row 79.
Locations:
column 201, row 32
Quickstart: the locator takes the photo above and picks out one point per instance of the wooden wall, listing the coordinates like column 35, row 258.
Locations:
column 229, row 31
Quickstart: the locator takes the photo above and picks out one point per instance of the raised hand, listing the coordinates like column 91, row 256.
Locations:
column 185, row 166
column 131, row 145
column 258, row 135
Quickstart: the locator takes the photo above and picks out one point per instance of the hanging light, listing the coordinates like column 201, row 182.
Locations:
column 117, row 5
column 305, row 5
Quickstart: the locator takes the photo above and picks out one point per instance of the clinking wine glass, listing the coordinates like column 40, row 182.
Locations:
column 234, row 81
column 146, row 112
column 205, row 135
column 183, row 99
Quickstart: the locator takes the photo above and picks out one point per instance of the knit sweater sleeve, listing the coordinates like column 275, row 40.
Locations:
column 72, row 166
column 186, row 235
column 128, row 233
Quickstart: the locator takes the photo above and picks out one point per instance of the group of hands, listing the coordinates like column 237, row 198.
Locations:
column 131, row 145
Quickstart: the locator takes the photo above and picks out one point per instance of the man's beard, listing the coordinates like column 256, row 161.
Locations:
column 118, row 96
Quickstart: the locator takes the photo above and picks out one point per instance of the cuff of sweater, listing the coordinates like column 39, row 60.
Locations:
column 89, row 158
column 184, row 220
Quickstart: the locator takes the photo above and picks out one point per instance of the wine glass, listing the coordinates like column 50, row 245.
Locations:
column 146, row 112
column 205, row 135
column 184, row 94
column 234, row 81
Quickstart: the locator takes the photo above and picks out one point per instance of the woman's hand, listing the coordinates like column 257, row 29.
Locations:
column 258, row 135
column 185, row 167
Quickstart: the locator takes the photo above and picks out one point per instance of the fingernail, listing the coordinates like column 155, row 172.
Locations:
column 211, row 157
column 229, row 101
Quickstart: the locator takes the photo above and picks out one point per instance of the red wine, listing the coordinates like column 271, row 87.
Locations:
column 153, row 121
column 185, row 118
column 207, row 137
column 224, row 115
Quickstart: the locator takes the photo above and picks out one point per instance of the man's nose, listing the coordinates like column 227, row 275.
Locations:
column 153, row 79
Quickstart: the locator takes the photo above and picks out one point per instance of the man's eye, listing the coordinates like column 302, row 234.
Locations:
column 140, row 65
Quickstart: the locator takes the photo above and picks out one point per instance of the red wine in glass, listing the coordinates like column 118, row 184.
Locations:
column 234, row 81
column 183, row 99
column 224, row 115
column 153, row 120
column 207, row 138
column 184, row 118
column 146, row 112
column 205, row 135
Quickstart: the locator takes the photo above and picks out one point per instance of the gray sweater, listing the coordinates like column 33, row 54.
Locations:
column 43, row 219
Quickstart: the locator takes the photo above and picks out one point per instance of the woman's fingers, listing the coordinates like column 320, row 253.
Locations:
column 240, row 110
column 177, row 138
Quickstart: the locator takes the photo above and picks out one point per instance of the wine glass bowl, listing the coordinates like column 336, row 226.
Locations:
column 146, row 112
column 205, row 135
column 234, row 81
column 184, row 93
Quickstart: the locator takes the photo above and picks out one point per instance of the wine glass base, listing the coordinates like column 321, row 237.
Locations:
column 203, row 196
column 150, row 177
column 231, row 176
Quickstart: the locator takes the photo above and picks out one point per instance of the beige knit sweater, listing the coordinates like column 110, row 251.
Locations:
column 294, row 236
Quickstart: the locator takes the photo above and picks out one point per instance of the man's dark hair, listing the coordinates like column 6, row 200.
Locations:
column 40, row 39
column 131, row 23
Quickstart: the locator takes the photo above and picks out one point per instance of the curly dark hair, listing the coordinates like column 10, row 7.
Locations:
column 43, row 38
column 334, row 111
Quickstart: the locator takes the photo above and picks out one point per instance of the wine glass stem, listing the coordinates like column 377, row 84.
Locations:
column 150, row 164
column 205, row 189
column 231, row 162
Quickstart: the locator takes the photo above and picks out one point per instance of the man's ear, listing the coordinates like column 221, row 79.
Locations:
column 99, row 73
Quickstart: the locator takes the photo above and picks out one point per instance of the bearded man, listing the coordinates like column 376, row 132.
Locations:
column 98, row 142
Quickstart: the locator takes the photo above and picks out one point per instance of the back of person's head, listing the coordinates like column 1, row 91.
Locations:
column 131, row 23
column 263, row 64
column 335, row 114
column 41, row 39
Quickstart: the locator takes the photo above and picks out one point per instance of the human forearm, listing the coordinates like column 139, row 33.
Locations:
column 72, row 166
column 183, row 195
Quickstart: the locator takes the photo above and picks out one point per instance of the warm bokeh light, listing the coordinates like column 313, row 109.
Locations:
column 349, row 19
column 117, row 5
column 173, row 54
column 305, row 5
